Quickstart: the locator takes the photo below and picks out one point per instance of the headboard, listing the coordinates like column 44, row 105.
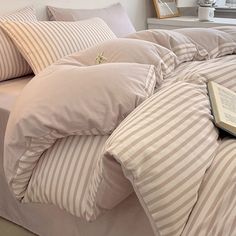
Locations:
column 138, row 10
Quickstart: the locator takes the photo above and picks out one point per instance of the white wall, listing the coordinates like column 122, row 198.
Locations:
column 186, row 3
column 138, row 10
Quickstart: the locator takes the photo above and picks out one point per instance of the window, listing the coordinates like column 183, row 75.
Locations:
column 231, row 3
column 227, row 11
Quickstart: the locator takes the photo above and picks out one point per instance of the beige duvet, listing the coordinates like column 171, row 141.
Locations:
column 142, row 125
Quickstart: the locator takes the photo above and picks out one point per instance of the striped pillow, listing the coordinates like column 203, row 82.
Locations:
column 12, row 64
column 43, row 43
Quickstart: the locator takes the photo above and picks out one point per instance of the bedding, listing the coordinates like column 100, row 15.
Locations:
column 12, row 63
column 200, row 43
column 114, row 15
column 167, row 147
column 227, row 29
column 42, row 43
column 221, row 43
column 126, row 84
column 126, row 219
column 183, row 47
column 166, row 160
column 127, row 50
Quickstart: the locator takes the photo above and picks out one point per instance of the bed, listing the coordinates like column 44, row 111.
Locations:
column 117, row 131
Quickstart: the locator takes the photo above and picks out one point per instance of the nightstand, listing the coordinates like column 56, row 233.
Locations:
column 187, row 22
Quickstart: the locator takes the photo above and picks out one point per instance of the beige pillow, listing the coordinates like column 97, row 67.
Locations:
column 12, row 63
column 42, row 43
column 114, row 15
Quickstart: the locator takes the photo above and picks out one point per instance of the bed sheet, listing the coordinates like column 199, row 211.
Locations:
column 46, row 220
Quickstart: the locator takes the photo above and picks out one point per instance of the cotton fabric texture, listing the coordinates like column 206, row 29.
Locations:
column 42, row 43
column 12, row 63
column 163, row 141
column 95, row 100
column 114, row 15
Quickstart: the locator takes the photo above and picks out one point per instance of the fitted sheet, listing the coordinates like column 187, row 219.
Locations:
column 47, row 220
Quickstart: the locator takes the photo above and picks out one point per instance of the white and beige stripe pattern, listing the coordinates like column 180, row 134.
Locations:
column 42, row 43
column 63, row 173
column 215, row 210
column 183, row 47
column 12, row 63
column 165, row 148
column 168, row 148
column 221, row 70
column 221, row 43
column 166, row 145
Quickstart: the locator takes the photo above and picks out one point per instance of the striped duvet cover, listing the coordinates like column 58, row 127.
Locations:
column 167, row 150
column 181, row 169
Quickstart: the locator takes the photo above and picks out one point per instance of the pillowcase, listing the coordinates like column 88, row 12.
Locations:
column 12, row 63
column 181, row 45
column 216, row 43
column 114, row 15
column 43, row 43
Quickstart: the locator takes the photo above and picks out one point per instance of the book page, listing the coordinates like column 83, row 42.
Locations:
column 229, row 105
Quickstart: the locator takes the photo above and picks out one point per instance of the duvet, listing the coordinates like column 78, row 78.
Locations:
column 131, row 115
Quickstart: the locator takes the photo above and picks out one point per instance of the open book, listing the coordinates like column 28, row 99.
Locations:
column 223, row 102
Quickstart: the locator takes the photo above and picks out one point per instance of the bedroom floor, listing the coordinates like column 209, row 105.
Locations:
column 9, row 229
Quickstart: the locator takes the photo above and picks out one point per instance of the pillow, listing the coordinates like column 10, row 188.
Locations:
column 127, row 50
column 114, row 15
column 12, row 64
column 181, row 45
column 43, row 43
column 216, row 43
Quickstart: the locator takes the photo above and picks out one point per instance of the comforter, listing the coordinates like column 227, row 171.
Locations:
column 131, row 115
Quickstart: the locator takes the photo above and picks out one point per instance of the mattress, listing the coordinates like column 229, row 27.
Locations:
column 128, row 218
